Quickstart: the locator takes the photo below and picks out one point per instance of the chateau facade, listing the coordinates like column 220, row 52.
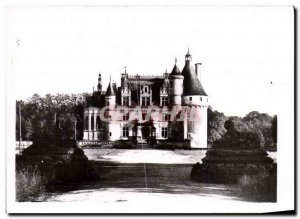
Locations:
column 144, row 109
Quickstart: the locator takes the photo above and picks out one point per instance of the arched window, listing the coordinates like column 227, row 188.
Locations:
column 86, row 123
column 92, row 122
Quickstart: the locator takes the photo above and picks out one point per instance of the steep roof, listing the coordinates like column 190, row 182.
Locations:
column 110, row 90
column 191, row 83
column 165, row 83
column 175, row 70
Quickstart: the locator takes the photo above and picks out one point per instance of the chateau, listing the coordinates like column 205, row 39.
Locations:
column 147, row 109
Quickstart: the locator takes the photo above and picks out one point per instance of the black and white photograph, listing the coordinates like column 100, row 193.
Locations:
column 149, row 109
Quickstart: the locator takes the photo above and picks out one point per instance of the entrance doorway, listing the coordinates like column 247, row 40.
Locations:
column 146, row 132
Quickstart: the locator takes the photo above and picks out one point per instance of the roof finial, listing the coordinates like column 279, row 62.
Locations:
column 188, row 52
column 125, row 69
column 175, row 60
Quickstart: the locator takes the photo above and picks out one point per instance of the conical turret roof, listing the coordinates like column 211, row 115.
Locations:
column 191, row 83
column 175, row 70
column 110, row 90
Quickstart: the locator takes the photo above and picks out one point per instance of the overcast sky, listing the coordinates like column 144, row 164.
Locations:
column 247, row 53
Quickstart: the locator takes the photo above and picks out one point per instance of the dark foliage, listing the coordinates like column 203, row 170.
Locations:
column 38, row 114
column 262, row 125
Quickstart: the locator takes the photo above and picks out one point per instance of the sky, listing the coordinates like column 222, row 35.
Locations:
column 246, row 52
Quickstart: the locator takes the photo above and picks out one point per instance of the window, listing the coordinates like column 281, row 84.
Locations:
column 86, row 123
column 125, row 101
column 200, row 98
column 125, row 131
column 126, row 117
column 106, row 114
column 190, row 98
column 145, row 101
column 110, row 134
column 164, row 101
column 164, row 132
column 146, row 89
column 92, row 122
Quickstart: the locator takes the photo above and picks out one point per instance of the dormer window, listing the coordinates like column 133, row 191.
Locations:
column 164, row 101
column 191, row 98
column 125, row 101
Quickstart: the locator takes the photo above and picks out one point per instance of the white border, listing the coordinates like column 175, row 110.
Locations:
column 285, row 171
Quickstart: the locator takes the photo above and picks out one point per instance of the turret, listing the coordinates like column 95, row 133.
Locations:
column 110, row 97
column 195, row 97
column 176, row 85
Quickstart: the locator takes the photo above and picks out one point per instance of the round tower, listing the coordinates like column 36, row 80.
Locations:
column 110, row 97
column 112, row 126
column 176, row 85
column 194, row 96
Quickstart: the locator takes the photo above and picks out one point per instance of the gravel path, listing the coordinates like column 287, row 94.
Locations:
column 146, row 156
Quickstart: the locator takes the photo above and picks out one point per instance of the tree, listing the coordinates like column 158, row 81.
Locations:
column 39, row 113
column 274, row 130
column 215, row 126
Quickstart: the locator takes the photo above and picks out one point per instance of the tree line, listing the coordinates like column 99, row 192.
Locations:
column 42, row 114
column 261, row 124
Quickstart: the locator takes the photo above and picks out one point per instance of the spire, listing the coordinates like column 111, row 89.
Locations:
column 175, row 70
column 165, row 83
column 124, row 82
column 99, row 86
column 188, row 56
column 110, row 90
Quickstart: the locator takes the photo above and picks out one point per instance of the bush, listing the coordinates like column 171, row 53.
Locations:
column 30, row 183
column 260, row 187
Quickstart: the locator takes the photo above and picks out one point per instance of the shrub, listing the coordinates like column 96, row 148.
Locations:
column 260, row 187
column 30, row 183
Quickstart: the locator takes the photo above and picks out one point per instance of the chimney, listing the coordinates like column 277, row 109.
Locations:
column 198, row 70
